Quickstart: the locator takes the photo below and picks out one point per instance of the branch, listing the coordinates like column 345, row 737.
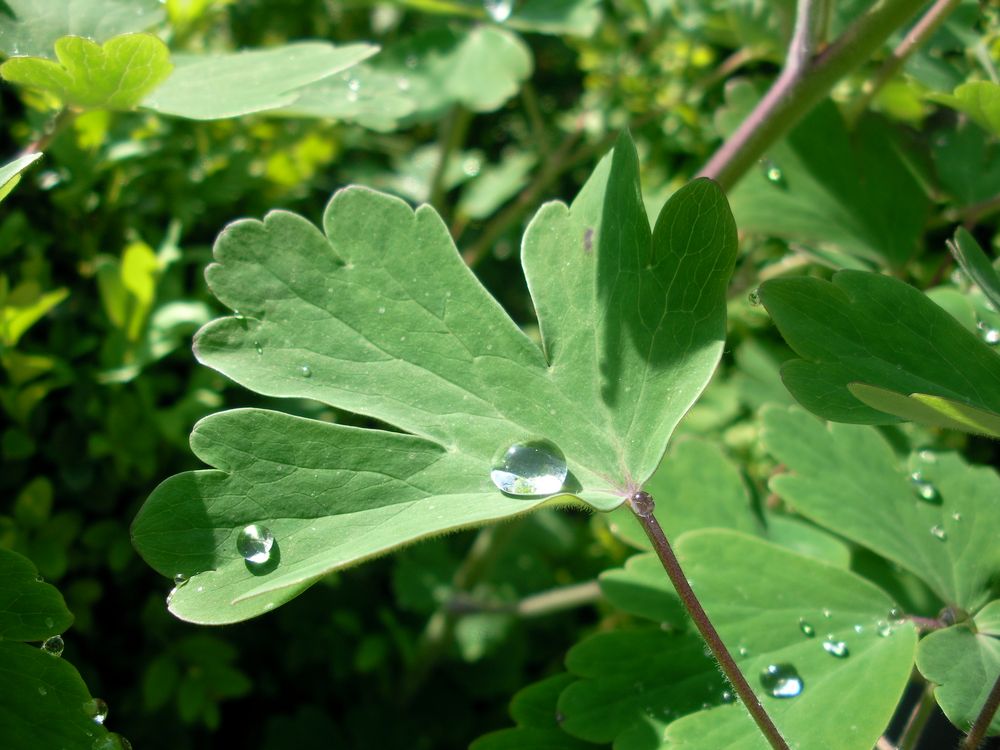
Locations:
column 535, row 605
column 641, row 504
column 800, row 87
column 982, row 722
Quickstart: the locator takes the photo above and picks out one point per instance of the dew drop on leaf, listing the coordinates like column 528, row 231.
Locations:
column 956, row 516
column 925, row 490
column 306, row 371
column 836, row 648
column 988, row 333
column 727, row 697
column 111, row 741
column 535, row 467
column 883, row 628
column 938, row 532
column 781, row 680
column 754, row 298
column 807, row 630
column 254, row 543
column 97, row 710
column 53, row 645
column 403, row 83
column 258, row 348
column 499, row 10
column 180, row 579
column 772, row 172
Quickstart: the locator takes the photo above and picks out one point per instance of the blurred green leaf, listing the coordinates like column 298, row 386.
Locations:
column 964, row 663
column 836, row 470
column 212, row 87
column 10, row 173
column 113, row 75
column 980, row 100
column 31, row 27
column 874, row 330
column 976, row 265
column 22, row 307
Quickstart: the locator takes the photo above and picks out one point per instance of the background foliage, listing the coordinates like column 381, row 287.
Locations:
column 103, row 244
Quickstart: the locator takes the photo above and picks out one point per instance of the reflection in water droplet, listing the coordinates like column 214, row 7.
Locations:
column 306, row 371
column 727, row 697
column 53, row 645
column 836, row 648
column 781, row 680
column 925, row 490
column 97, row 710
column 938, row 532
column 807, row 630
column 254, row 543
column 772, row 172
column 499, row 10
column 883, row 628
column 180, row 579
column 896, row 615
column 535, row 467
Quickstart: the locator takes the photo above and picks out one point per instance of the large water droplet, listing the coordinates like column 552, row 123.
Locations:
column 836, row 648
column 807, row 630
column 53, row 645
column 254, row 543
column 532, row 468
column 938, row 532
column 925, row 490
column 97, row 710
column 499, row 10
column 781, row 680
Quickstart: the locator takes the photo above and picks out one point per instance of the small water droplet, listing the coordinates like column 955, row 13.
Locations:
column 807, row 630
column 896, row 615
column 306, row 371
column 238, row 315
column 836, row 648
column 956, row 516
column 772, row 172
column 925, row 490
column 883, row 628
column 938, row 532
column 403, row 83
column 927, row 456
column 354, row 84
column 534, row 467
column 111, row 741
column 258, row 348
column 988, row 333
column 180, row 579
column 472, row 166
column 499, row 10
column 859, row 629
column 97, row 710
column 642, row 503
column 53, row 645
column 254, row 543
column 754, row 297
column 49, row 622
column 827, row 613
column 781, row 680
column 42, row 690
column 727, row 697
column 743, row 651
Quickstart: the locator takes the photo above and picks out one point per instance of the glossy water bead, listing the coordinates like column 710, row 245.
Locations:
column 781, row 680
column 254, row 543
column 535, row 467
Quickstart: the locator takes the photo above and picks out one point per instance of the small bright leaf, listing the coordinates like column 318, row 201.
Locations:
column 31, row 27
column 113, row 75
column 980, row 100
column 976, row 264
column 964, row 665
column 380, row 316
column 10, row 172
column 24, row 306
column 878, row 331
column 211, row 87
column 30, row 609
column 847, row 478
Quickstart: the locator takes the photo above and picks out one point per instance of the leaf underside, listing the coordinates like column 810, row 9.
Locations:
column 379, row 316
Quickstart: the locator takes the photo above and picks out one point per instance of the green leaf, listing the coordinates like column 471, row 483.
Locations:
column 836, row 471
column 30, row 609
column 935, row 411
column 24, row 306
column 31, row 27
column 528, row 738
column 875, row 330
column 534, row 710
column 636, row 684
column 113, row 75
column 44, row 701
column 980, row 100
column 829, row 186
column 495, row 185
column 420, row 78
column 641, row 588
column 572, row 17
column 966, row 162
column 211, row 87
column 976, row 265
column 10, row 173
column 381, row 317
column 964, row 664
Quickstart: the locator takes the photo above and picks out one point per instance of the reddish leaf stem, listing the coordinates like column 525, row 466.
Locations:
column 982, row 722
column 641, row 504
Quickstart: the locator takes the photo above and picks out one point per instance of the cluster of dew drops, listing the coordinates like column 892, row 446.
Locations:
column 94, row 709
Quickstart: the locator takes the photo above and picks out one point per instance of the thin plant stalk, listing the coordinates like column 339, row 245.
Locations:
column 978, row 730
column 803, row 82
column 917, row 720
column 453, row 133
column 641, row 504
